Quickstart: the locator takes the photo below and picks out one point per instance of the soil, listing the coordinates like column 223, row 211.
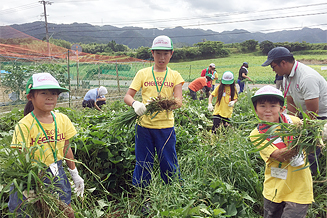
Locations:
column 312, row 62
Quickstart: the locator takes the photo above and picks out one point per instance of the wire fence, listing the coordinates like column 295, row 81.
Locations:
column 116, row 77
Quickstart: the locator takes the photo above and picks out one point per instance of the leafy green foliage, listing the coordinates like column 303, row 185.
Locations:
column 221, row 175
column 19, row 74
column 249, row 45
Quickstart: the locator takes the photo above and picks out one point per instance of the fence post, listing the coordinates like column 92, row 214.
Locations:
column 189, row 75
column 117, row 77
column 69, row 96
column 99, row 75
column 3, row 97
column 77, row 77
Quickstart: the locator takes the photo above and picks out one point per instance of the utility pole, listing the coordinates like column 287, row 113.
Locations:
column 45, row 18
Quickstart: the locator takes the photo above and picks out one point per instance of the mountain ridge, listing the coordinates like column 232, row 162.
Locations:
column 135, row 37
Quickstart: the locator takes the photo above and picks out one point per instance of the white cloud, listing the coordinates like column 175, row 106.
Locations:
column 252, row 15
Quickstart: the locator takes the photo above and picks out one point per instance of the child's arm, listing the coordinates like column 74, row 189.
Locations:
column 139, row 107
column 78, row 181
column 283, row 154
column 129, row 97
column 69, row 155
column 178, row 91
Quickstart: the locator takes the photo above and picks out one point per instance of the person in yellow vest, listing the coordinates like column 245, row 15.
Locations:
column 287, row 189
column 226, row 94
column 158, row 133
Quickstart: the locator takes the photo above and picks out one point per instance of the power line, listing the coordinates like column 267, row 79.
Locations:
column 185, row 18
column 203, row 24
column 19, row 8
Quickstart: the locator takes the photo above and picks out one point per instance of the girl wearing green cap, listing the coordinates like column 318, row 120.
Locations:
column 49, row 132
column 226, row 94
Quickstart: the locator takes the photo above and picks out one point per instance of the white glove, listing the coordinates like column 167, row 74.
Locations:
column 139, row 108
column 78, row 182
column 324, row 133
column 297, row 160
column 150, row 100
column 231, row 103
column 210, row 107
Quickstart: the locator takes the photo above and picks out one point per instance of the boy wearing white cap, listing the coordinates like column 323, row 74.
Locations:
column 287, row 190
column 95, row 98
column 155, row 134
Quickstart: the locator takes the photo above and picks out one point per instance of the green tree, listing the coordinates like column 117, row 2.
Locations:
column 209, row 48
column 249, row 45
column 266, row 46
column 143, row 53
column 61, row 43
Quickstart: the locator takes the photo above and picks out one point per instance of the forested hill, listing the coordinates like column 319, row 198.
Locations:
column 135, row 37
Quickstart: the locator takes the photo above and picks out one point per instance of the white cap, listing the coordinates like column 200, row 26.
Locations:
column 266, row 91
column 227, row 78
column 102, row 90
column 162, row 43
column 43, row 81
column 212, row 65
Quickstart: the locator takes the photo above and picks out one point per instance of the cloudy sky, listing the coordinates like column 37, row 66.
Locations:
column 221, row 15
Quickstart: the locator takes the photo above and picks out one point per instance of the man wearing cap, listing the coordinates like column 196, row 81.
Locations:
column 95, row 98
column 242, row 75
column 303, row 87
column 155, row 133
column 210, row 70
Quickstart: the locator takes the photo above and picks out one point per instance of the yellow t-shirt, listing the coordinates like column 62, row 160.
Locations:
column 298, row 184
column 144, row 79
column 34, row 135
column 215, row 79
column 222, row 108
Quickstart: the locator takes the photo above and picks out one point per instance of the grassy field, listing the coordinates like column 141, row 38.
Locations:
column 191, row 70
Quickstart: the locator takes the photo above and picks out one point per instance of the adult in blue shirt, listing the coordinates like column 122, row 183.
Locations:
column 95, row 98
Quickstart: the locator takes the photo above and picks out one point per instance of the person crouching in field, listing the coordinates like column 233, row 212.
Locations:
column 226, row 94
column 49, row 131
column 287, row 191
column 198, row 84
column 95, row 98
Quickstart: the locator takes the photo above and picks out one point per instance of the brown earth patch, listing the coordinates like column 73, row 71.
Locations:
column 313, row 62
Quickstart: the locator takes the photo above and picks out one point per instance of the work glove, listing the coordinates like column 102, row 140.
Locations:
column 297, row 160
column 78, row 182
column 150, row 100
column 324, row 133
column 231, row 103
column 139, row 108
column 210, row 107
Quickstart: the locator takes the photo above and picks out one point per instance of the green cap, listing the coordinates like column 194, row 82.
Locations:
column 227, row 78
column 43, row 81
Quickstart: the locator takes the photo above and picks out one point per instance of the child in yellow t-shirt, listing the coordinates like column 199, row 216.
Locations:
column 214, row 80
column 287, row 189
column 155, row 134
column 51, row 131
column 226, row 94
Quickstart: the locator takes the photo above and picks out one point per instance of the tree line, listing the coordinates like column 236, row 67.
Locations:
column 201, row 50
